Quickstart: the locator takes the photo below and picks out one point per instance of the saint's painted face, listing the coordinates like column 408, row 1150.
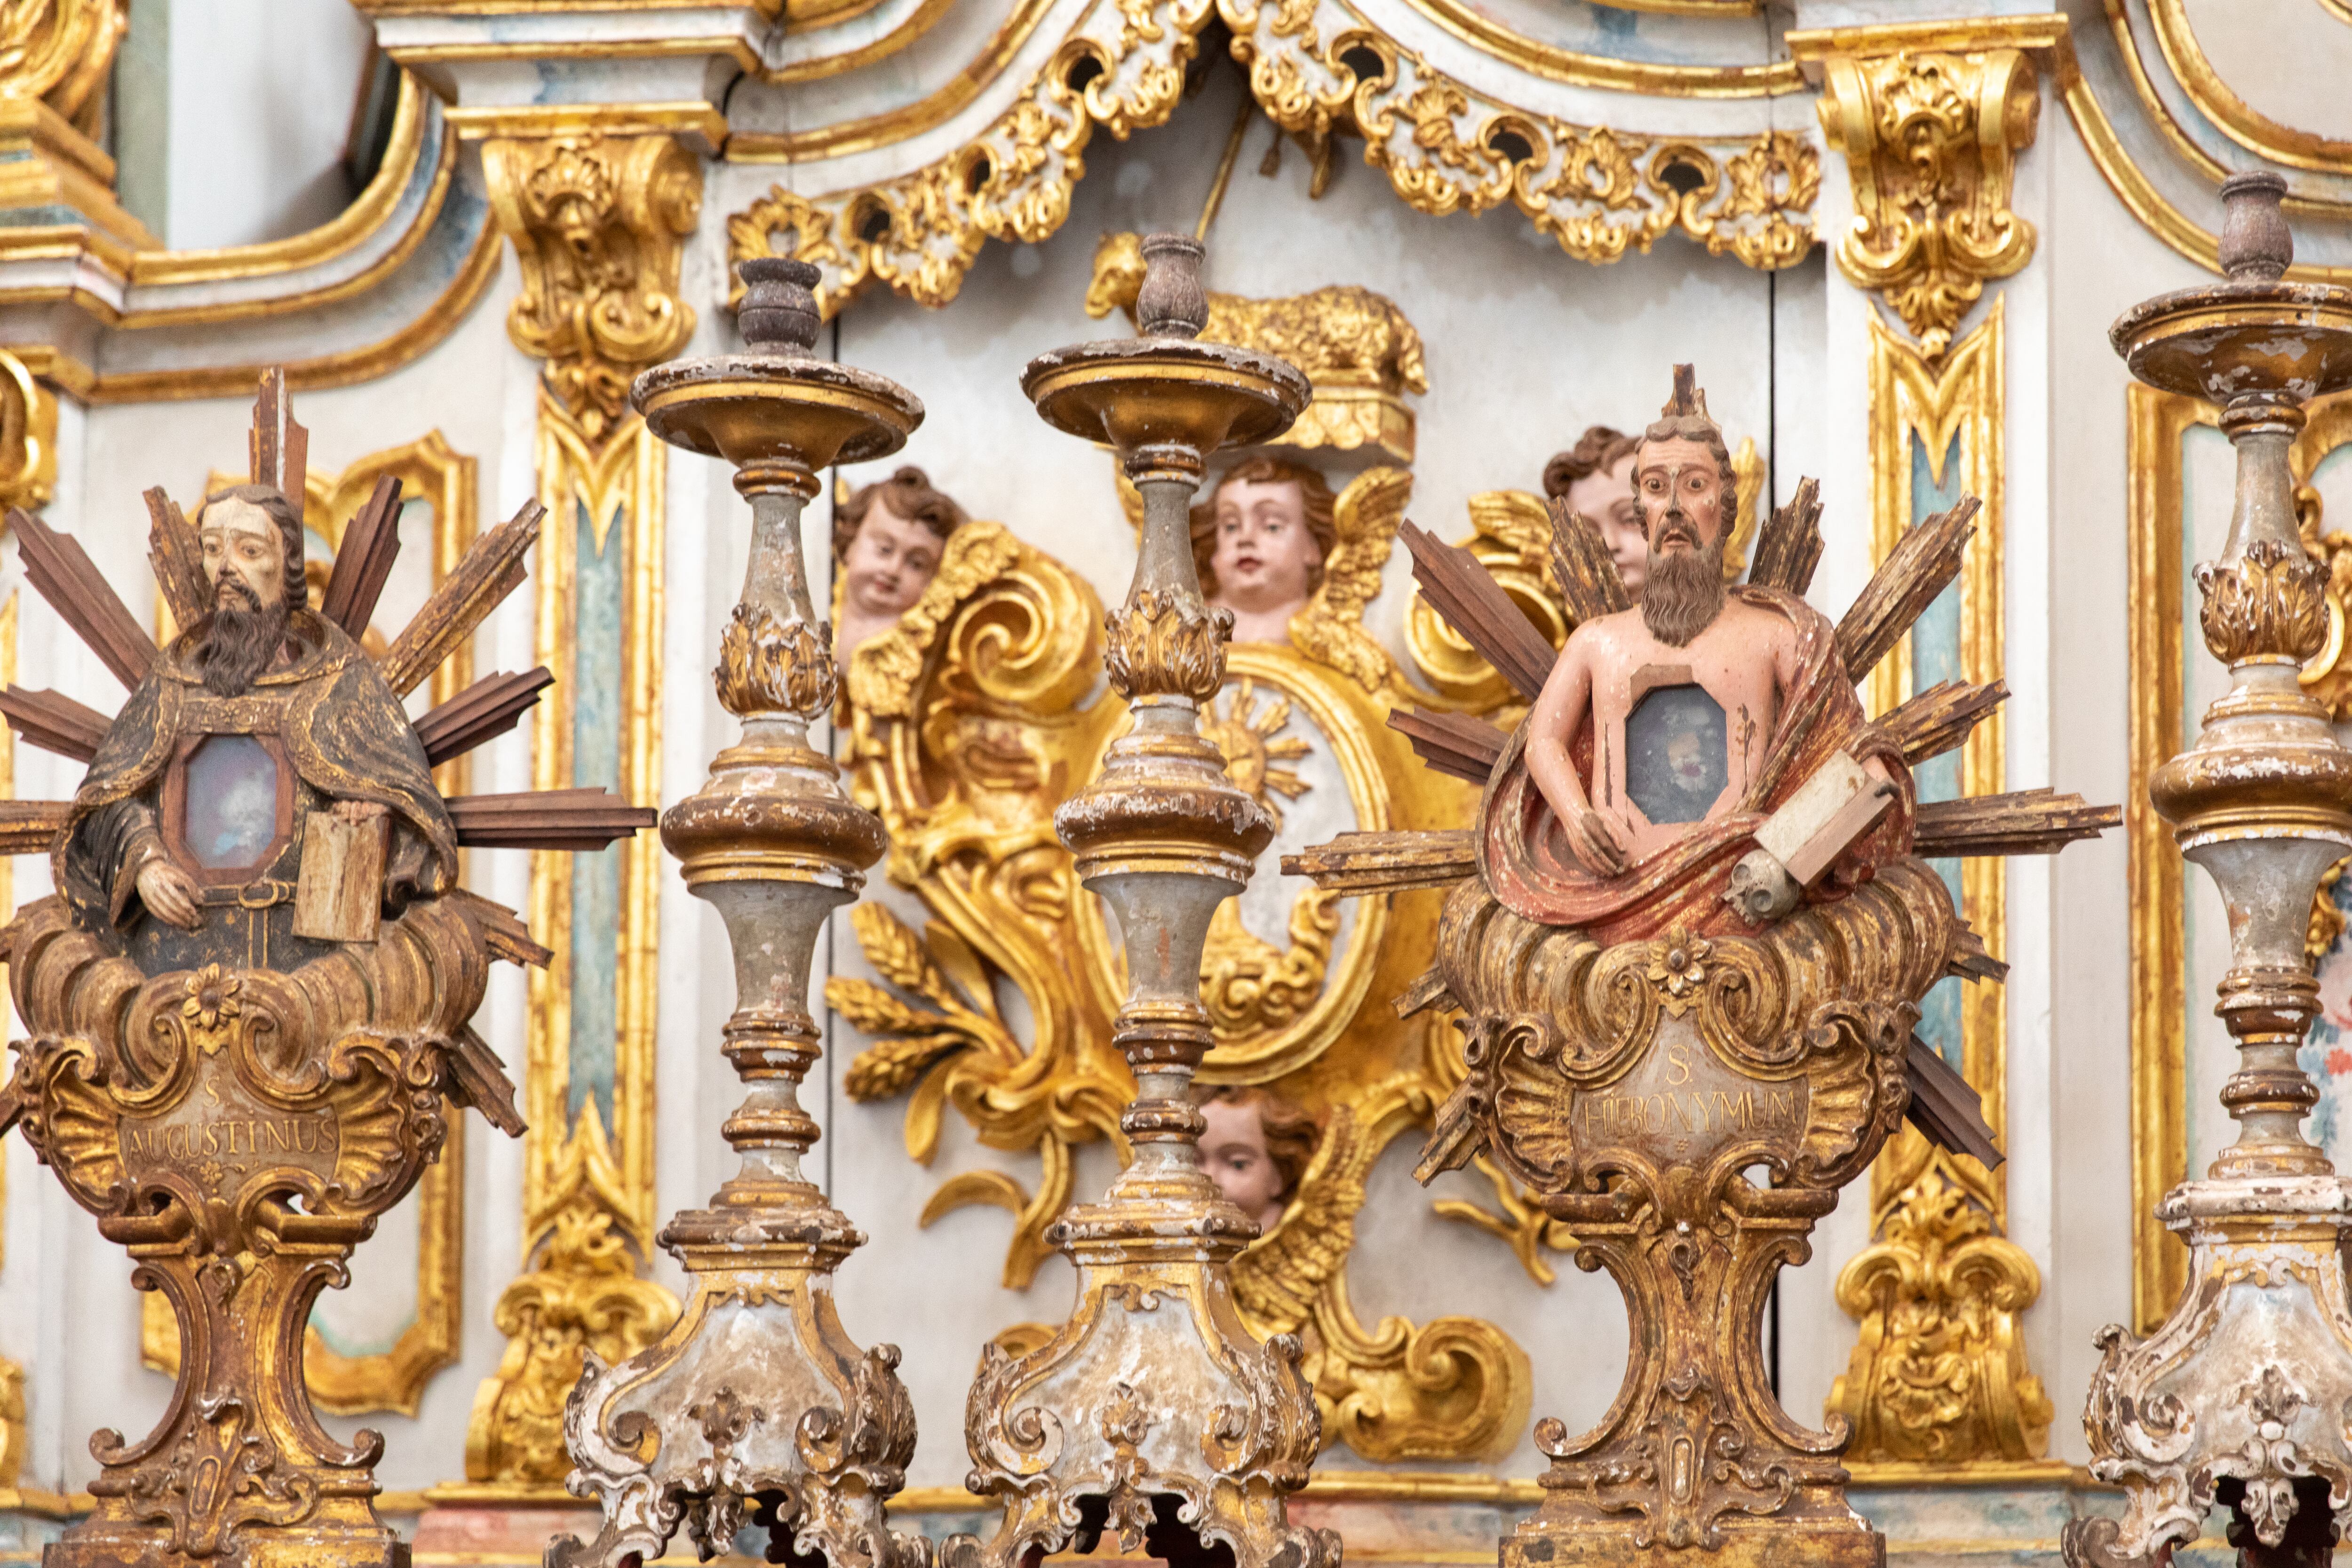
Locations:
column 1681, row 490
column 242, row 546
column 1234, row 1151
column 1265, row 556
column 1606, row 496
column 889, row 564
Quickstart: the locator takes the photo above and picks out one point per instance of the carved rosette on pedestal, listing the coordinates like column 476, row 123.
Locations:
column 1153, row 1412
column 756, row 1407
column 2240, row 1399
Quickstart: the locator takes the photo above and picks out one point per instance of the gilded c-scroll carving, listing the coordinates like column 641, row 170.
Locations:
column 1322, row 67
column 1121, row 68
column 966, row 729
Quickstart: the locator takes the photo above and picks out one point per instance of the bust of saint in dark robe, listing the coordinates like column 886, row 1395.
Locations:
column 186, row 839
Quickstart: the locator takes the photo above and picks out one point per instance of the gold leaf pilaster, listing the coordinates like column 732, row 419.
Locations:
column 1930, row 130
column 599, row 222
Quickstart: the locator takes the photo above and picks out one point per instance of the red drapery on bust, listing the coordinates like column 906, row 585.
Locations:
column 1525, row 855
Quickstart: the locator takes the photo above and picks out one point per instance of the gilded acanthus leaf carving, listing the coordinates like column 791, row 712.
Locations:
column 1164, row 645
column 2271, row 601
column 767, row 666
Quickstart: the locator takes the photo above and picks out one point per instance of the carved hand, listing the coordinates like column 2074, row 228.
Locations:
column 1598, row 842
column 357, row 810
column 169, row 893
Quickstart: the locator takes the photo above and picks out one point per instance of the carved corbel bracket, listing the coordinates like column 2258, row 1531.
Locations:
column 599, row 222
column 1930, row 120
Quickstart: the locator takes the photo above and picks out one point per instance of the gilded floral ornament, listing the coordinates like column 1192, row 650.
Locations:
column 2269, row 602
column 766, row 666
column 1320, row 68
column 1121, row 68
column 1930, row 141
column 598, row 222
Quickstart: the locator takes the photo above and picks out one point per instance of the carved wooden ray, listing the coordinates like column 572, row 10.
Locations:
column 1939, row 719
column 1970, row 962
column 483, row 711
column 479, row 1079
column 492, row 569
column 1588, row 582
column 55, row 722
column 2023, row 822
column 1453, row 743
column 502, row 929
column 1429, row 990
column 178, row 557
column 1945, row 1107
column 61, row 572
column 587, row 819
column 363, row 559
column 280, row 448
column 30, row 826
column 1394, row 862
column 1474, row 605
column 1789, row 545
column 1921, row 565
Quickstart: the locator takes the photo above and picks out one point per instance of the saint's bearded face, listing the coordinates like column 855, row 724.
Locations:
column 245, row 558
column 1680, row 485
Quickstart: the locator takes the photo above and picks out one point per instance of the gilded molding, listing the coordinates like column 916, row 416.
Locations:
column 2232, row 115
column 921, row 232
column 395, row 1379
column 1930, row 141
column 588, row 1181
column 1448, row 147
column 2156, row 424
column 599, row 222
column 953, row 96
column 1645, row 77
column 28, row 435
column 1940, row 1371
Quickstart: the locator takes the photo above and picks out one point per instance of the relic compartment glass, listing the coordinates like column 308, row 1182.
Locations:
column 228, row 808
column 1676, row 758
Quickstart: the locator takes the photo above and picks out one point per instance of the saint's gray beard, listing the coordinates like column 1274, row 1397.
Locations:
column 1684, row 592
column 239, row 639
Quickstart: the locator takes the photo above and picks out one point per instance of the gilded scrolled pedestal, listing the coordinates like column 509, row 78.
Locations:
column 756, row 1407
column 2240, row 1399
column 1153, row 1412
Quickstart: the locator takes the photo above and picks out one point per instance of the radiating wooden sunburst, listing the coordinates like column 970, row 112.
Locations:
column 63, row 574
column 1246, row 734
column 1935, row 722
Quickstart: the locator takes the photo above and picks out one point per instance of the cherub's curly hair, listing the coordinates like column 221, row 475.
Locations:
column 908, row 494
column 1292, row 1135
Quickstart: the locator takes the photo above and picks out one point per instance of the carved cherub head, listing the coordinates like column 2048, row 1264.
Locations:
column 1595, row 477
column 252, row 540
column 1259, row 542
column 1685, row 488
column 1258, row 1146
column 887, row 539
